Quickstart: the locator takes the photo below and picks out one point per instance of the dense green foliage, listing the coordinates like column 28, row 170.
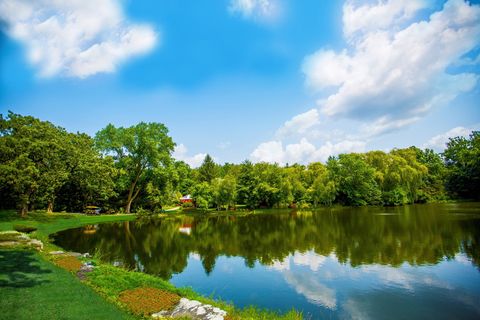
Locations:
column 44, row 166
column 141, row 152
column 462, row 158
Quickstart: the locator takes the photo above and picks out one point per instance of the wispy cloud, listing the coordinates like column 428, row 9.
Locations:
column 380, row 15
column 181, row 153
column 224, row 145
column 300, row 124
column 261, row 10
column 77, row 38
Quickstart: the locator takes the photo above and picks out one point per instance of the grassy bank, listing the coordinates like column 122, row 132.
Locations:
column 47, row 224
column 33, row 288
column 60, row 291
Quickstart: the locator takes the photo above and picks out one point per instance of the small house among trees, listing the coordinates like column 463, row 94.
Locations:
column 186, row 199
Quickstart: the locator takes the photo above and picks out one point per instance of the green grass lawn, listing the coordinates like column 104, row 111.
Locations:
column 47, row 224
column 32, row 288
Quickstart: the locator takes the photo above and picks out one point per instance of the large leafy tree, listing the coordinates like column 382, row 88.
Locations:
column 399, row 174
column 91, row 177
column 203, row 195
column 322, row 190
column 32, row 160
column 434, row 181
column 137, row 151
column 247, row 186
column 462, row 158
column 355, row 179
column 224, row 191
column 208, row 170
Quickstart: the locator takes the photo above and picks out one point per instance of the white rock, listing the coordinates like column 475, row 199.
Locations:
column 193, row 309
column 189, row 304
column 201, row 310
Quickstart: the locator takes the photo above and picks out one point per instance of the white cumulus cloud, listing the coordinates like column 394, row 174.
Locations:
column 300, row 123
column 303, row 151
column 181, row 153
column 439, row 142
column 394, row 72
column 379, row 15
column 76, row 38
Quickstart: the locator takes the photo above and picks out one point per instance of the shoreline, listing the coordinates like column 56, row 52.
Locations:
column 105, row 278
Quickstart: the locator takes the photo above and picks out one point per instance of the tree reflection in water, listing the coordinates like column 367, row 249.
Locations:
column 418, row 235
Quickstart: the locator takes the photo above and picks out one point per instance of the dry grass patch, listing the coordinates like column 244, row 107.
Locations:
column 145, row 301
column 69, row 263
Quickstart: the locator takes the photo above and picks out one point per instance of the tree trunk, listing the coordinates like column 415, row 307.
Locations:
column 129, row 205
column 130, row 199
column 50, row 207
column 23, row 209
column 132, row 196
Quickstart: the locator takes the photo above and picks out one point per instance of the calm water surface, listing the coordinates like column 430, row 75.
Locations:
column 419, row 261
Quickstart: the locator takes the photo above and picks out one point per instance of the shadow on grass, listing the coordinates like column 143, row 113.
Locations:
column 19, row 269
column 8, row 215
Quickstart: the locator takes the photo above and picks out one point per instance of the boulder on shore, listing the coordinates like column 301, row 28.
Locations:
column 12, row 238
column 193, row 309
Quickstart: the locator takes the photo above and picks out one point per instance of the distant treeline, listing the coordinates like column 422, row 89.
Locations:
column 42, row 166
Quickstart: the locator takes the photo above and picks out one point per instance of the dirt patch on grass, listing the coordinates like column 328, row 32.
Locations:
column 145, row 301
column 69, row 263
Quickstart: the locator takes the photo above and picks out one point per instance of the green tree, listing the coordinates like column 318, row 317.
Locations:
column 298, row 178
column 323, row 190
column 462, row 159
column 434, row 181
column 203, row 195
column 159, row 189
column 182, row 177
column 399, row 175
column 247, row 186
column 410, row 171
column 137, row 151
column 224, row 191
column 355, row 180
column 208, row 170
column 90, row 176
column 32, row 161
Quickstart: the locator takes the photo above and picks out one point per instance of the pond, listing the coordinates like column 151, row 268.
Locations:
column 419, row 261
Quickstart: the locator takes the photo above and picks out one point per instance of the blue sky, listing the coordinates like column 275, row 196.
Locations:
column 268, row 80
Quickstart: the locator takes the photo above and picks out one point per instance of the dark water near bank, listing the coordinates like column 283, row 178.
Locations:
column 420, row 262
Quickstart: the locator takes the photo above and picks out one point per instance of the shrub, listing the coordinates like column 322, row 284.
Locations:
column 395, row 197
column 24, row 229
column 187, row 205
column 303, row 205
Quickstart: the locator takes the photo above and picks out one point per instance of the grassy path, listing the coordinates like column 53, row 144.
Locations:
column 32, row 288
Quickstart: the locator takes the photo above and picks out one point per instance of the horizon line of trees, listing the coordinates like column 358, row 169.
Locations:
column 42, row 166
